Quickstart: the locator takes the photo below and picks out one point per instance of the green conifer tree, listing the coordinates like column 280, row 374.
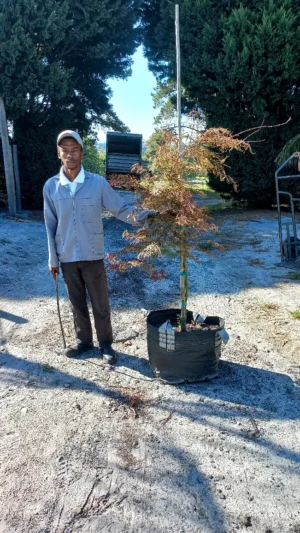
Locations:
column 240, row 64
column 55, row 60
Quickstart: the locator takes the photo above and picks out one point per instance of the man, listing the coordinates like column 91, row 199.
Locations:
column 73, row 201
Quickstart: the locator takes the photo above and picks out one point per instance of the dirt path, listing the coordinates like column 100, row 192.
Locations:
column 85, row 448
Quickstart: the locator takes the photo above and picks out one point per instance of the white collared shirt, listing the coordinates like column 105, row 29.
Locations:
column 71, row 184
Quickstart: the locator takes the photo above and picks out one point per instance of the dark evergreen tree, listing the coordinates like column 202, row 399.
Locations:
column 55, row 60
column 241, row 64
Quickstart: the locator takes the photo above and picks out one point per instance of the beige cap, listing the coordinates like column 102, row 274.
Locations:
column 70, row 133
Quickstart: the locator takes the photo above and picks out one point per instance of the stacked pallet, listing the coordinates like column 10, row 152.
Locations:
column 123, row 150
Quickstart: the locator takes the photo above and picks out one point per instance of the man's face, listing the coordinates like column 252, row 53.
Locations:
column 70, row 153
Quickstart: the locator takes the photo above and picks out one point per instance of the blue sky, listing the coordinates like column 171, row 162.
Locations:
column 132, row 98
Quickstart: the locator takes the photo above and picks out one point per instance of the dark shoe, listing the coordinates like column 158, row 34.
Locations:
column 109, row 355
column 74, row 351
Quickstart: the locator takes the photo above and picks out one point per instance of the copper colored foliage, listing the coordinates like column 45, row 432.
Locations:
column 125, row 182
column 129, row 182
column 166, row 191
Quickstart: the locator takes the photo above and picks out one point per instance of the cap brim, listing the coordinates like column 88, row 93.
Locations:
column 69, row 133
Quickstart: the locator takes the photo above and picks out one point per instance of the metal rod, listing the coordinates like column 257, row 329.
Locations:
column 288, row 239
column 292, row 208
column 8, row 162
column 294, row 228
column 279, row 218
column 284, row 164
column 288, row 177
column 58, row 311
column 178, row 62
column 183, row 251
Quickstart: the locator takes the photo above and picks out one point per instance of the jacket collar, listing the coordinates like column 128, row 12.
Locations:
column 87, row 175
column 79, row 178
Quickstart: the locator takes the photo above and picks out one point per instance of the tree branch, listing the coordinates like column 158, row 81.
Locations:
column 253, row 130
column 257, row 128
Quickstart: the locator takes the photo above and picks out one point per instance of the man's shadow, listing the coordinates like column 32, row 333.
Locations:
column 130, row 362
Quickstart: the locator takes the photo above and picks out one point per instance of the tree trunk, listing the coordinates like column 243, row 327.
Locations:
column 184, row 283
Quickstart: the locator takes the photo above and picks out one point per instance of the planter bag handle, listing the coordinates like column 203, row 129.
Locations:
column 224, row 335
column 199, row 319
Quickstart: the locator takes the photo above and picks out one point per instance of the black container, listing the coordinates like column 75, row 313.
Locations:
column 196, row 355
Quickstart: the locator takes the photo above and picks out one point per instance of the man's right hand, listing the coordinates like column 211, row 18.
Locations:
column 54, row 271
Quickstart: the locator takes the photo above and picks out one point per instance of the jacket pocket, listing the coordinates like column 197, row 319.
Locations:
column 91, row 210
column 97, row 244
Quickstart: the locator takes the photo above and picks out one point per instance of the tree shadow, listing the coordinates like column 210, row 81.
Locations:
column 241, row 392
column 229, row 398
column 38, row 375
column 251, row 387
column 239, row 389
column 13, row 318
column 240, row 385
column 180, row 478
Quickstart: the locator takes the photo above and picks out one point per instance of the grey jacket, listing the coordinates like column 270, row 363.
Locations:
column 74, row 223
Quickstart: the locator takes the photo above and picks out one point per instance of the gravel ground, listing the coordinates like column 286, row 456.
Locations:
column 87, row 448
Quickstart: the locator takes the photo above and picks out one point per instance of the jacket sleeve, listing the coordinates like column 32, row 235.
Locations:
column 113, row 202
column 51, row 227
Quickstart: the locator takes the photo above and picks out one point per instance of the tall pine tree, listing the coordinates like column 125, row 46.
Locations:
column 55, row 60
column 241, row 64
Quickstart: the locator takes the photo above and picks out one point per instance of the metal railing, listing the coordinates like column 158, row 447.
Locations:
column 289, row 248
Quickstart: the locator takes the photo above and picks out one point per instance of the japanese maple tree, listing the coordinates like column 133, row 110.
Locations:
column 179, row 229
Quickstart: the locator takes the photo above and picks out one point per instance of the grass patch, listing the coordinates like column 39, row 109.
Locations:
column 48, row 368
column 5, row 241
column 255, row 262
column 270, row 307
column 295, row 314
column 202, row 188
column 255, row 242
column 294, row 275
column 211, row 207
column 199, row 185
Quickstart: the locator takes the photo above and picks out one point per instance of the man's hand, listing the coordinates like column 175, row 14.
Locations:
column 152, row 213
column 54, row 271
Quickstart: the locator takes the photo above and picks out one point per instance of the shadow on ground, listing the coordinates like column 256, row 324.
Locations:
column 242, row 393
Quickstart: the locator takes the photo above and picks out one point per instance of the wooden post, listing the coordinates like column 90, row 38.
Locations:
column 8, row 162
column 183, row 251
column 17, row 177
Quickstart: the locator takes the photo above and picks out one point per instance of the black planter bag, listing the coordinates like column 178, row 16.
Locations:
column 196, row 355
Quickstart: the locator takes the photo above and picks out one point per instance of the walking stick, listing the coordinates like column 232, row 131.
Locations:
column 58, row 310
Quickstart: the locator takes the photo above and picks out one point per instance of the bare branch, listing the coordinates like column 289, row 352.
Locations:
column 253, row 130
column 258, row 128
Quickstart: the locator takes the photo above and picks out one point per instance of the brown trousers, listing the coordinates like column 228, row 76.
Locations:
column 88, row 276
